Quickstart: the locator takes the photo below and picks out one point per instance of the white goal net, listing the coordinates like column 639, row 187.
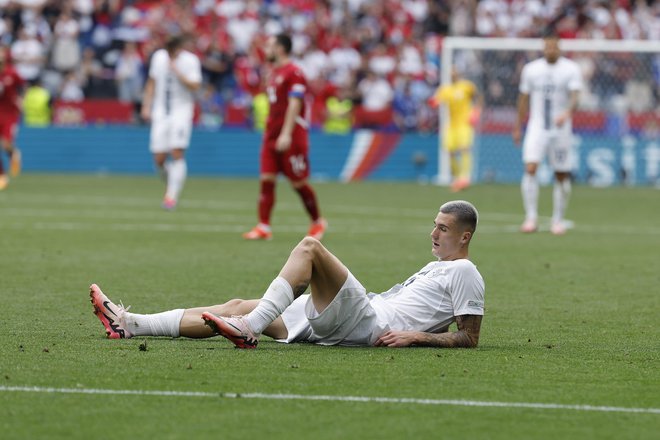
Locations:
column 617, row 126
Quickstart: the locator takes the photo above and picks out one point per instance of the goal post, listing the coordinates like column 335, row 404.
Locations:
column 616, row 125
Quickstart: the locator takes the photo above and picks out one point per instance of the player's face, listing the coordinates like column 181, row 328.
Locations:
column 175, row 53
column 271, row 50
column 448, row 238
column 551, row 50
column 455, row 75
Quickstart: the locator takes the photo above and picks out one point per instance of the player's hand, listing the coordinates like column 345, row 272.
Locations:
column 145, row 113
column 515, row 134
column 173, row 67
column 562, row 118
column 396, row 339
column 283, row 142
column 475, row 116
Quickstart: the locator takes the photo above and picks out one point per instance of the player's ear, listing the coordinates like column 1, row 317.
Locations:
column 467, row 235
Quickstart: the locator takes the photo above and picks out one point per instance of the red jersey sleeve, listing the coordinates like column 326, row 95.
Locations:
column 297, row 84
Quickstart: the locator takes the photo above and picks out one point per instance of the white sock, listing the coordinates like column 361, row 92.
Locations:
column 277, row 298
column 157, row 324
column 560, row 195
column 176, row 176
column 530, row 194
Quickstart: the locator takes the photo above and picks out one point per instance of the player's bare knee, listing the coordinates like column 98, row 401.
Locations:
column 309, row 246
column 233, row 307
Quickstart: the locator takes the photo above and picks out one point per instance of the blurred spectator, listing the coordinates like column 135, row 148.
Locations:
column 92, row 76
column 129, row 74
column 376, row 92
column 334, row 40
column 28, row 54
column 6, row 31
column 71, row 90
column 437, row 21
column 218, row 66
column 405, row 107
column 243, row 30
column 410, row 59
column 314, row 62
column 66, row 51
column 210, row 106
column 376, row 96
column 382, row 62
column 260, row 109
column 36, row 105
column 339, row 111
column 344, row 61
column 461, row 21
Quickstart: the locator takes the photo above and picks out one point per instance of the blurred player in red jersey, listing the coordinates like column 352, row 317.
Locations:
column 285, row 143
column 11, row 85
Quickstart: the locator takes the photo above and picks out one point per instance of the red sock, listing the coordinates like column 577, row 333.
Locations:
column 266, row 201
column 308, row 197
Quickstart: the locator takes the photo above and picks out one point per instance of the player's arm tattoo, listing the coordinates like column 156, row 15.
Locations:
column 467, row 335
column 299, row 289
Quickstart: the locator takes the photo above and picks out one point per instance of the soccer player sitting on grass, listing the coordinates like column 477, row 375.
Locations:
column 338, row 311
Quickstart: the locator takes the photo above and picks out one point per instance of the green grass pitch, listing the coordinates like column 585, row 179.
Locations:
column 570, row 320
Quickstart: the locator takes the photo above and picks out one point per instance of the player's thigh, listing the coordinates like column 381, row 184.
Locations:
column 8, row 132
column 560, row 153
column 535, row 146
column 465, row 137
column 337, row 321
column 329, row 274
column 268, row 159
column 461, row 138
column 179, row 132
column 311, row 263
column 450, row 140
column 158, row 136
column 294, row 163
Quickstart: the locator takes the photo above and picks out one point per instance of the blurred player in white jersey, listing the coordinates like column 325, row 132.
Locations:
column 338, row 311
column 549, row 90
column 169, row 100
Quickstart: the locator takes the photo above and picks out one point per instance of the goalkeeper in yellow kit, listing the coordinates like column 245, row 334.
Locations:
column 464, row 104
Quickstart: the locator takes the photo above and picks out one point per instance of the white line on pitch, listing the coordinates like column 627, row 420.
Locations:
column 328, row 398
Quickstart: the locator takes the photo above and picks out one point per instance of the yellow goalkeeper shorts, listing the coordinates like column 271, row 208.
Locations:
column 457, row 138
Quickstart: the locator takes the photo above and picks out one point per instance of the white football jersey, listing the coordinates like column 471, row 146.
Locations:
column 549, row 87
column 171, row 96
column 430, row 299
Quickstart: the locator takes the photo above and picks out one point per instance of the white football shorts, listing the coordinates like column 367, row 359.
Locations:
column 348, row 320
column 169, row 133
column 557, row 145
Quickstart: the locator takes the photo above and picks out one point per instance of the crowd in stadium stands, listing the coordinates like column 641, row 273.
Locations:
column 368, row 62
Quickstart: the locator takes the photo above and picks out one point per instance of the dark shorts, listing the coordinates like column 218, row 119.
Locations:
column 293, row 163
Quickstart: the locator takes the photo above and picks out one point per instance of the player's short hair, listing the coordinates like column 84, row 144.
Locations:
column 285, row 41
column 174, row 42
column 464, row 212
column 550, row 34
